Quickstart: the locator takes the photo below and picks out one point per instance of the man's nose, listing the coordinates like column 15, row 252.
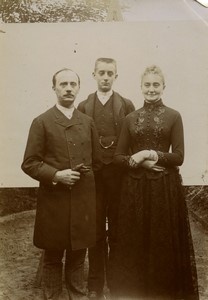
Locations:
column 106, row 76
column 68, row 87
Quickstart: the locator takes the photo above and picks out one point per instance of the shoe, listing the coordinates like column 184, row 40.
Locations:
column 93, row 295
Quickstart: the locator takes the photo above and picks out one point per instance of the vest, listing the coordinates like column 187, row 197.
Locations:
column 104, row 121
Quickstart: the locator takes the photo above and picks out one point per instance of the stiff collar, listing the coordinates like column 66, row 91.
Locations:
column 68, row 112
column 104, row 97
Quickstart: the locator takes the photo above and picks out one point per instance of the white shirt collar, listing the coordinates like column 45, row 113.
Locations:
column 68, row 112
column 104, row 97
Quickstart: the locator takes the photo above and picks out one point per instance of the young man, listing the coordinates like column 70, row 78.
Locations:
column 108, row 109
column 62, row 152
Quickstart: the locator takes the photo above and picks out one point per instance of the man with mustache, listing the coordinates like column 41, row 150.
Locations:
column 62, row 153
column 108, row 109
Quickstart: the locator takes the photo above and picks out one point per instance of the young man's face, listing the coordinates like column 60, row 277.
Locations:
column 105, row 75
column 152, row 87
column 66, row 87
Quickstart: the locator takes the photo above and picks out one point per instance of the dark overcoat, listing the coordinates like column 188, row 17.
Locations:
column 65, row 217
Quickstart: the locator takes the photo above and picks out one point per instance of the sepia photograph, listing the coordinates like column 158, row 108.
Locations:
column 104, row 142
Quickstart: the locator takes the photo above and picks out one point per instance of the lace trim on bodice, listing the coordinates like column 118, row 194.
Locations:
column 151, row 114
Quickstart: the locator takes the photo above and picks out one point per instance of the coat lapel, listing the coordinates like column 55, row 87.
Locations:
column 62, row 120
column 116, row 106
column 90, row 104
column 117, row 111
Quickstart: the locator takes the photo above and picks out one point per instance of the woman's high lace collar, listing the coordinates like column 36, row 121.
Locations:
column 152, row 105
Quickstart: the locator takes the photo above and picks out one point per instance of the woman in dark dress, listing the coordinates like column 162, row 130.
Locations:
column 154, row 256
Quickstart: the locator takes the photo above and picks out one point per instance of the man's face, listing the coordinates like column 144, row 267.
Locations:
column 66, row 87
column 105, row 75
column 152, row 87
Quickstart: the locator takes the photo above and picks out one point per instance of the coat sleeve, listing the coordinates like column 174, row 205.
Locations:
column 130, row 107
column 33, row 162
column 80, row 106
column 121, row 156
column 176, row 156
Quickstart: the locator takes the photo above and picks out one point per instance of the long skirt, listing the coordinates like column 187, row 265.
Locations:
column 154, row 256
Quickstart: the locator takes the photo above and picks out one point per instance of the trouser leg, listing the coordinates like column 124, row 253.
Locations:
column 111, row 248
column 96, row 254
column 74, row 273
column 112, row 179
column 52, row 274
column 108, row 185
column 96, row 276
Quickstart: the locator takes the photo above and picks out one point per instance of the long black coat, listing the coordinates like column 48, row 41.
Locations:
column 64, row 217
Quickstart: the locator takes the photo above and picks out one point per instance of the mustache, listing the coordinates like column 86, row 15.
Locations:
column 68, row 94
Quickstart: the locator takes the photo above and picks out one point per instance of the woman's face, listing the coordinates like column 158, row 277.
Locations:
column 152, row 87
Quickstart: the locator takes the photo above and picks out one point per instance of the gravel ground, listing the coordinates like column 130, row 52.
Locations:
column 19, row 259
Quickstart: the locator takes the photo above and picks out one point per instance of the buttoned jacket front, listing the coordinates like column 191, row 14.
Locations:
column 65, row 217
column 121, row 108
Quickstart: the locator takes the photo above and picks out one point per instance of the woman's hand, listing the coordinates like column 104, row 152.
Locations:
column 139, row 157
column 151, row 165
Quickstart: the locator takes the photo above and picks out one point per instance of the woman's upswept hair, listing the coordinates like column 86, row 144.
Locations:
column 153, row 69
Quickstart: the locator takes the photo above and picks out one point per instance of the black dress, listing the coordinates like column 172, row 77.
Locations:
column 154, row 256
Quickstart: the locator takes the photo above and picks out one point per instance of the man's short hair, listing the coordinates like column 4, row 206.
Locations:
column 65, row 69
column 107, row 61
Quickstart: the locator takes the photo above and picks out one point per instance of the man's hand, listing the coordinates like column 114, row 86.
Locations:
column 81, row 168
column 68, row 177
column 151, row 165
